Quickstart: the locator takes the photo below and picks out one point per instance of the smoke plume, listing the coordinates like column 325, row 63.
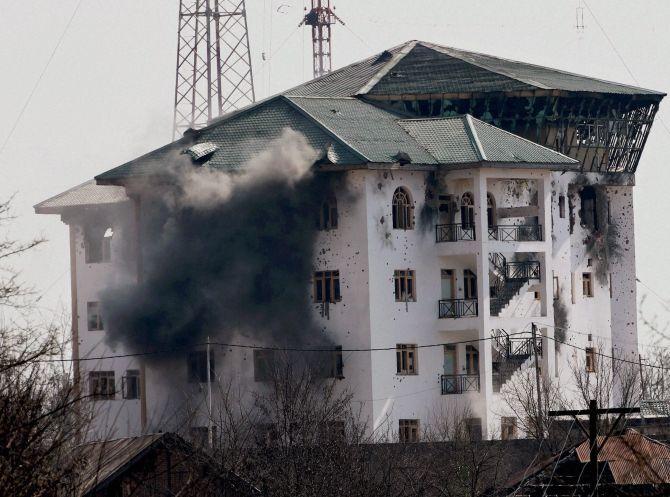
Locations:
column 226, row 254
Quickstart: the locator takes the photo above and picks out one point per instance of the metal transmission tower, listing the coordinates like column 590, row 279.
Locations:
column 214, row 73
column 321, row 18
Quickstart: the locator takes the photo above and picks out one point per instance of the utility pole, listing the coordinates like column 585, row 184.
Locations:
column 321, row 18
column 592, row 433
column 540, row 416
column 214, row 73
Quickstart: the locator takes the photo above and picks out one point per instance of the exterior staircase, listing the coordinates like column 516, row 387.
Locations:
column 508, row 278
column 513, row 354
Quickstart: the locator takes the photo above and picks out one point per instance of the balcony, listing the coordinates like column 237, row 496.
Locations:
column 459, row 383
column 454, row 233
column 516, row 233
column 457, row 308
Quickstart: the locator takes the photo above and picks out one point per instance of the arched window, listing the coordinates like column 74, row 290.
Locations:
column 589, row 213
column 491, row 217
column 328, row 214
column 403, row 210
column 467, row 211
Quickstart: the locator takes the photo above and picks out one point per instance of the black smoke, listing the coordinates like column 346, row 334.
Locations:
column 226, row 257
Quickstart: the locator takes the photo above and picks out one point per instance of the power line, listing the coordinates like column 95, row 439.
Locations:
column 40, row 77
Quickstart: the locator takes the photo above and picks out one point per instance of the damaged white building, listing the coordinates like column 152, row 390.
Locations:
column 482, row 196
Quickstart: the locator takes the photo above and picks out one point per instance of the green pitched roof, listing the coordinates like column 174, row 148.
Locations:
column 347, row 131
column 422, row 68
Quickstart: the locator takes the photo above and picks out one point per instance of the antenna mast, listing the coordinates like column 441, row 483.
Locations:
column 321, row 18
column 214, row 73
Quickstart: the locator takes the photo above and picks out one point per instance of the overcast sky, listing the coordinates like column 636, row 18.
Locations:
column 107, row 95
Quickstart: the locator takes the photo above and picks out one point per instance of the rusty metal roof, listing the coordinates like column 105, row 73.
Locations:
column 103, row 460
column 633, row 458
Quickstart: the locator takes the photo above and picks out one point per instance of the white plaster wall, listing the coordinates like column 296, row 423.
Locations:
column 366, row 250
column 118, row 417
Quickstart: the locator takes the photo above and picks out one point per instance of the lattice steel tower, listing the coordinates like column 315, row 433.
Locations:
column 321, row 18
column 214, row 73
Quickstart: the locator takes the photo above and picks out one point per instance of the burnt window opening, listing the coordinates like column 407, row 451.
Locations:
column 491, row 217
column 130, row 384
column 408, row 430
column 94, row 316
column 197, row 366
column 589, row 213
column 473, row 427
column 337, row 364
column 406, row 359
column 587, row 284
column 468, row 211
column 405, row 285
column 98, row 244
column 403, row 210
column 590, row 362
column 469, row 285
column 561, row 206
column 557, row 288
column 264, row 365
column 328, row 214
column 327, row 287
column 101, row 385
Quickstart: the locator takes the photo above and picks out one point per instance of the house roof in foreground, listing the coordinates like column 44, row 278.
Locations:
column 418, row 67
column 628, row 459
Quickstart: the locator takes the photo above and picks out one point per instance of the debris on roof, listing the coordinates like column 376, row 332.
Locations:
column 201, row 151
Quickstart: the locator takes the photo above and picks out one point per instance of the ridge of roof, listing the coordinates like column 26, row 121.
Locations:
column 474, row 121
column 406, row 49
column 326, row 129
column 470, row 127
column 462, row 55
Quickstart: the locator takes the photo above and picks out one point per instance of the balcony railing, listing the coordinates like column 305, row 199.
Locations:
column 457, row 308
column 516, row 233
column 454, row 232
column 459, row 383
column 526, row 270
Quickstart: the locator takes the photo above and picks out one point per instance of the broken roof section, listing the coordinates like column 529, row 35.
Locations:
column 421, row 68
column 87, row 194
column 349, row 132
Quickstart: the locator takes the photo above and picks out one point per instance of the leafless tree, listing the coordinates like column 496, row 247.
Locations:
column 38, row 400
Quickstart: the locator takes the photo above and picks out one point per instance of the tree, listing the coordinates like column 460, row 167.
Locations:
column 38, row 400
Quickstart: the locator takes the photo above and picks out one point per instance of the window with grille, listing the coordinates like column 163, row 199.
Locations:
column 264, row 365
column 197, row 366
column 405, row 285
column 403, row 210
column 508, row 428
column 408, row 430
column 93, row 316
column 327, row 287
column 328, row 214
column 587, row 284
column 101, row 385
column 590, row 360
column 130, row 384
column 406, row 359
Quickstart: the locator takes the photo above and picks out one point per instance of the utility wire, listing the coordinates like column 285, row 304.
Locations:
column 40, row 77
